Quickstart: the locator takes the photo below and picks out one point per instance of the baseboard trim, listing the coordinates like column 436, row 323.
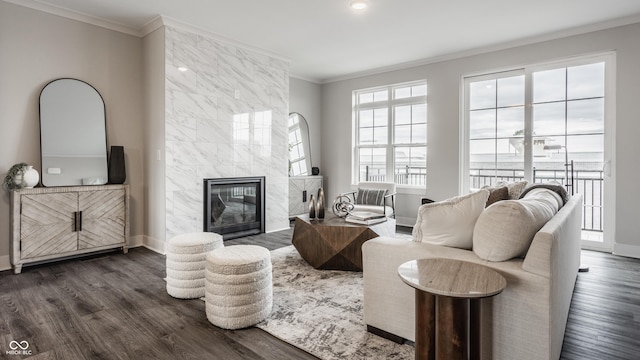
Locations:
column 405, row 221
column 155, row 245
column 626, row 250
column 276, row 230
column 5, row 263
column 384, row 334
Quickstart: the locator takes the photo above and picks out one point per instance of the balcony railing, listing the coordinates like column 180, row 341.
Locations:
column 405, row 175
column 589, row 183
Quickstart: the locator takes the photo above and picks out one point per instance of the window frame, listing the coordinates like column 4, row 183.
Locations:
column 390, row 104
column 609, row 160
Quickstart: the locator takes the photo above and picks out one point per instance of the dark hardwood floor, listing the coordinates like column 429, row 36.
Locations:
column 115, row 306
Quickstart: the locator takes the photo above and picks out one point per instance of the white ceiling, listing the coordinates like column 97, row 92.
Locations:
column 325, row 40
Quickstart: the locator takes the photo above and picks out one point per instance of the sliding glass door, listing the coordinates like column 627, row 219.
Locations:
column 551, row 122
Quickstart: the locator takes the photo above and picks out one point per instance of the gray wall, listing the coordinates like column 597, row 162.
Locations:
column 443, row 81
column 37, row 47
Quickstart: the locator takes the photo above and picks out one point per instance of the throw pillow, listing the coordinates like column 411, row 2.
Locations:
column 450, row 222
column 515, row 188
column 506, row 229
column 497, row 194
column 370, row 196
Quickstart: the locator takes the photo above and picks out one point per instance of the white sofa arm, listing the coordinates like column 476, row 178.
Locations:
column 556, row 246
column 389, row 303
column 381, row 258
column 555, row 254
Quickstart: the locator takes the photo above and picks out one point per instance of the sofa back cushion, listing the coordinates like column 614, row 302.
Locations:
column 506, row 228
column 450, row 222
column 515, row 188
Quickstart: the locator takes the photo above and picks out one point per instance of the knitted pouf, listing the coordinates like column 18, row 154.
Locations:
column 238, row 289
column 186, row 261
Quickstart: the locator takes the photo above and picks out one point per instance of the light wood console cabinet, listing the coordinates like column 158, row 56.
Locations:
column 300, row 190
column 59, row 222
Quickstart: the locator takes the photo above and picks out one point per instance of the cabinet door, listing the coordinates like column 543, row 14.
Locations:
column 313, row 185
column 296, row 205
column 103, row 218
column 47, row 224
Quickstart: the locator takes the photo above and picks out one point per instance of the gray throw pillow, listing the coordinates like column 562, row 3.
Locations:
column 370, row 196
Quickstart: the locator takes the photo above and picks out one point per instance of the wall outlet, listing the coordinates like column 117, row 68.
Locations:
column 236, row 94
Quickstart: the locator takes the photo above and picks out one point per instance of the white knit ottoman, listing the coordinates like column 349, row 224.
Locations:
column 186, row 261
column 238, row 289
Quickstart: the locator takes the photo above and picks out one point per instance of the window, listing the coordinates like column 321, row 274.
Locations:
column 390, row 138
column 543, row 123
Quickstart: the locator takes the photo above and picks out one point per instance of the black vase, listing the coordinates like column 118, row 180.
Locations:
column 117, row 172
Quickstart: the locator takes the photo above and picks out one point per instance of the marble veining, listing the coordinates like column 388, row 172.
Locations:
column 225, row 117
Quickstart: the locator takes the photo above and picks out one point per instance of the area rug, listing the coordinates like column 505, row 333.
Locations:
column 321, row 312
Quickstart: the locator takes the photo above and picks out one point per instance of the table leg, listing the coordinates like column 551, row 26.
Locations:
column 425, row 326
column 452, row 340
column 474, row 329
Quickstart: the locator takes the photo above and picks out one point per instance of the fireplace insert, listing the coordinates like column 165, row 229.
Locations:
column 234, row 207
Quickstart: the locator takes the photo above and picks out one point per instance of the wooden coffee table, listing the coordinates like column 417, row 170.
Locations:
column 448, row 294
column 333, row 243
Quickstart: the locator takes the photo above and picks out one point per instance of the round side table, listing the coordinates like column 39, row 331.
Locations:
column 448, row 294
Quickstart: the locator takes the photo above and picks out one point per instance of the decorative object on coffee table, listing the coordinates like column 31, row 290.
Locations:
column 448, row 294
column 312, row 207
column 320, row 204
column 335, row 244
column 342, row 205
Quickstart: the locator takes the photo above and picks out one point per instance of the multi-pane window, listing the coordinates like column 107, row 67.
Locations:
column 496, row 128
column 541, row 123
column 391, row 134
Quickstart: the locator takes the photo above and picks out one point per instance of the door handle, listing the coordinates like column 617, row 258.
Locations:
column 606, row 168
column 77, row 221
column 304, row 196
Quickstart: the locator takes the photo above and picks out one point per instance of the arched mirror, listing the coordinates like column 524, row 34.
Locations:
column 73, row 137
column 299, row 148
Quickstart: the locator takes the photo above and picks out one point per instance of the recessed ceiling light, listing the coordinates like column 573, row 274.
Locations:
column 182, row 68
column 358, row 4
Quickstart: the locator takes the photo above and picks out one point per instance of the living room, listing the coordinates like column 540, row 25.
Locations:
column 129, row 71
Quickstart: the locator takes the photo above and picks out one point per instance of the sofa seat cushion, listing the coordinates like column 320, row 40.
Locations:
column 450, row 222
column 387, row 210
column 506, row 228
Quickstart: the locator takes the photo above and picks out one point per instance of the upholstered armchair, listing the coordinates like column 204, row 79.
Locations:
column 377, row 197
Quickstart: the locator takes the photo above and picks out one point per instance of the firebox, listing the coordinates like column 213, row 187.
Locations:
column 234, row 207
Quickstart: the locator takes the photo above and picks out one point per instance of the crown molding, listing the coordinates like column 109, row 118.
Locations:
column 143, row 31
column 75, row 15
column 305, row 78
column 151, row 26
column 491, row 48
column 168, row 21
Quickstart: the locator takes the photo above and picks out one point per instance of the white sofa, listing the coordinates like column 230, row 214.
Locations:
column 526, row 321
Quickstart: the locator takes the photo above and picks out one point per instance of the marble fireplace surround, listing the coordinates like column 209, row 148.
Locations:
column 225, row 117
